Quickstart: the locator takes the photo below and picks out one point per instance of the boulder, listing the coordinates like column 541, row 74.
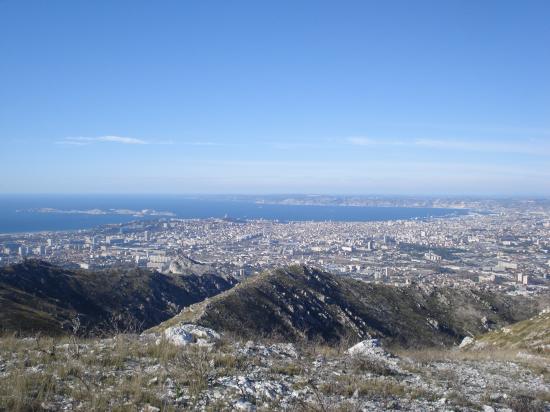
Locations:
column 187, row 334
column 467, row 341
column 367, row 348
column 372, row 350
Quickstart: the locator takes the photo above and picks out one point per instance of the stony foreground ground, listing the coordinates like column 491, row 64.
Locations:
column 145, row 373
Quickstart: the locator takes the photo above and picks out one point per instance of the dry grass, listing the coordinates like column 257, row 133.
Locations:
column 22, row 391
column 537, row 363
column 356, row 385
column 429, row 355
column 102, row 375
column 362, row 365
column 288, row 368
column 528, row 402
column 128, row 372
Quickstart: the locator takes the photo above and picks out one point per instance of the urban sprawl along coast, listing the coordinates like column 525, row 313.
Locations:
column 505, row 248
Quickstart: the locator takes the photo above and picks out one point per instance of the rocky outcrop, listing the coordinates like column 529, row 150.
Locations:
column 189, row 334
column 184, row 265
column 369, row 348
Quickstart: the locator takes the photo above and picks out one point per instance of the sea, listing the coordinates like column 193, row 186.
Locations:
column 20, row 213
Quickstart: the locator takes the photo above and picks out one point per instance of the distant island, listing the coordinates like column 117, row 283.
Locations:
column 136, row 213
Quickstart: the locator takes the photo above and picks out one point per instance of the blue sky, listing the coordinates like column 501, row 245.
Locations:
column 386, row 97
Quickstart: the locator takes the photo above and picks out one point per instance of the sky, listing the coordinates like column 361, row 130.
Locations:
column 344, row 97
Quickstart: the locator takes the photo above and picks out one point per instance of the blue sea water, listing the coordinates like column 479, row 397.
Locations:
column 15, row 215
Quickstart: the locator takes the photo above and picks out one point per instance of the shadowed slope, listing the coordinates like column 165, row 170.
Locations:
column 302, row 303
column 36, row 296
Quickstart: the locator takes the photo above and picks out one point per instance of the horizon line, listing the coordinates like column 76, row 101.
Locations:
column 198, row 194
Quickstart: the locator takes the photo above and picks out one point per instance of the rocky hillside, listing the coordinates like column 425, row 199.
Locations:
column 300, row 303
column 154, row 374
column 184, row 265
column 532, row 334
column 38, row 297
column 240, row 366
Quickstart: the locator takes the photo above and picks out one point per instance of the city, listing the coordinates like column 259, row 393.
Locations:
column 507, row 249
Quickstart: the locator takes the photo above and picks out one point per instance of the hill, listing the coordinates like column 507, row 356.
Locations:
column 36, row 296
column 532, row 334
column 191, row 367
column 301, row 303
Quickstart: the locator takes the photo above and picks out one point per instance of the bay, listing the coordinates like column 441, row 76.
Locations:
column 18, row 212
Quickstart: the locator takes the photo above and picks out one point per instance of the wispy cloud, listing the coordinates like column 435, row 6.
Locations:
column 522, row 146
column 482, row 129
column 526, row 146
column 71, row 142
column 204, row 143
column 361, row 141
column 120, row 139
column 368, row 141
column 83, row 140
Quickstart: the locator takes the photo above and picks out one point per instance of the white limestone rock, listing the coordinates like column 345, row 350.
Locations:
column 242, row 405
column 467, row 341
column 368, row 347
column 188, row 334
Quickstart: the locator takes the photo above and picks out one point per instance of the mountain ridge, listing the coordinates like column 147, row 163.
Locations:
column 301, row 303
column 37, row 296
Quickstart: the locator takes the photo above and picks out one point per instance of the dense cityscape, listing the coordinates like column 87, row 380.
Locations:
column 506, row 248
